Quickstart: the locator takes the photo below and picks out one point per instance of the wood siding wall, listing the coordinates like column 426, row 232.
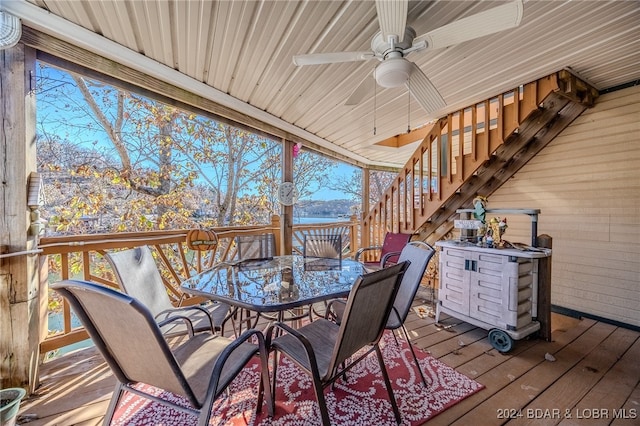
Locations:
column 587, row 184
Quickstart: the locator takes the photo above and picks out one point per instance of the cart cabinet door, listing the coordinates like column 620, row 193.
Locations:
column 498, row 290
column 454, row 280
column 489, row 288
column 501, row 290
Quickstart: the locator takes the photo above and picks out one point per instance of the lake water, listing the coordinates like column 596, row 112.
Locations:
column 55, row 323
column 308, row 220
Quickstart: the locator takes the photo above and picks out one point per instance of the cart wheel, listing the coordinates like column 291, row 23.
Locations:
column 500, row 340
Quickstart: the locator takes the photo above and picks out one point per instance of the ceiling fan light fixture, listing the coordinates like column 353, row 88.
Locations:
column 10, row 30
column 393, row 72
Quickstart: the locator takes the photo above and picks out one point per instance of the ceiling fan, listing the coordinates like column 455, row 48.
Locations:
column 396, row 40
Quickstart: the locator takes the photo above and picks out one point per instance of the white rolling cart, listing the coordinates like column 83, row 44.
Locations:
column 492, row 288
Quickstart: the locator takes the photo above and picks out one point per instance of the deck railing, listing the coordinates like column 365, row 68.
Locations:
column 82, row 257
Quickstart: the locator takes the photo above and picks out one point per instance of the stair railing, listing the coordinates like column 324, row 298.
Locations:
column 455, row 148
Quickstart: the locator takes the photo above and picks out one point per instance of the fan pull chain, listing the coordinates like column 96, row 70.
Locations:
column 375, row 98
column 409, row 105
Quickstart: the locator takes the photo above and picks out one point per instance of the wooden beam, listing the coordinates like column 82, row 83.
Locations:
column 576, row 89
column 416, row 135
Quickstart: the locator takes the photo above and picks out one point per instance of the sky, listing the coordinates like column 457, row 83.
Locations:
column 343, row 170
column 55, row 113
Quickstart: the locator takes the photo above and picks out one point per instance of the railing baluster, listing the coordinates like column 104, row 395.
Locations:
column 487, row 127
column 460, row 159
column 449, row 150
column 439, row 166
column 474, row 131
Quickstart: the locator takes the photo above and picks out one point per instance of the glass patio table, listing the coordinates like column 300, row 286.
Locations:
column 270, row 287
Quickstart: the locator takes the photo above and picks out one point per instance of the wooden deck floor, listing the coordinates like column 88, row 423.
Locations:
column 595, row 377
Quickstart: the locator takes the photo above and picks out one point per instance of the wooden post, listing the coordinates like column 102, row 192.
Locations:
column 366, row 186
column 286, row 219
column 19, row 280
column 275, row 224
column 544, row 289
column 353, row 235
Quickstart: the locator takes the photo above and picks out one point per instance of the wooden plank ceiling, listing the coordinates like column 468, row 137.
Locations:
column 242, row 51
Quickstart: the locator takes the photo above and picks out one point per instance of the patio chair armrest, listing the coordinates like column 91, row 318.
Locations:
column 227, row 352
column 364, row 249
column 331, row 314
column 244, row 337
column 169, row 313
column 385, row 258
column 230, row 316
column 235, row 344
column 306, row 345
column 278, row 324
column 173, row 318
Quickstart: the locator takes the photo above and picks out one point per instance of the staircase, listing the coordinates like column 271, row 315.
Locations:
column 474, row 151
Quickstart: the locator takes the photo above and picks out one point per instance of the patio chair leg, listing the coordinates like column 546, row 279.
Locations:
column 415, row 358
column 205, row 412
column 115, row 398
column 396, row 339
column 322, row 403
column 265, row 385
column 344, row 375
column 274, row 381
column 387, row 383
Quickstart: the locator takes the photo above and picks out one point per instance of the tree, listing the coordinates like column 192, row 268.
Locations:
column 311, row 172
column 379, row 181
column 139, row 164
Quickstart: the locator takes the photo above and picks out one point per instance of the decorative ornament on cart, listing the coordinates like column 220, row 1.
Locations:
column 480, row 207
column 497, row 228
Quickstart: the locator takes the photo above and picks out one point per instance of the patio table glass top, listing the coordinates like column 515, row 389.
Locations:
column 276, row 284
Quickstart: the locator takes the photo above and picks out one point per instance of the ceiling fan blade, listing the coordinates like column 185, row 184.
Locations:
column 366, row 86
column 424, row 91
column 331, row 58
column 479, row 25
column 392, row 16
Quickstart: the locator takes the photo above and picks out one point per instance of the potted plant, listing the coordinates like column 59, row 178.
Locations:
column 9, row 404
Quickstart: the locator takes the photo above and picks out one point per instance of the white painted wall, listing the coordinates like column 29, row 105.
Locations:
column 586, row 182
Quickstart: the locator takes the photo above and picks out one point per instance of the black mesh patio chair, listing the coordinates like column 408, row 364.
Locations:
column 419, row 254
column 252, row 247
column 132, row 344
column 137, row 275
column 324, row 246
column 324, row 349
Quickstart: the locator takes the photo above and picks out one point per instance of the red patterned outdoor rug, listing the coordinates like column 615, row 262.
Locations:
column 361, row 401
